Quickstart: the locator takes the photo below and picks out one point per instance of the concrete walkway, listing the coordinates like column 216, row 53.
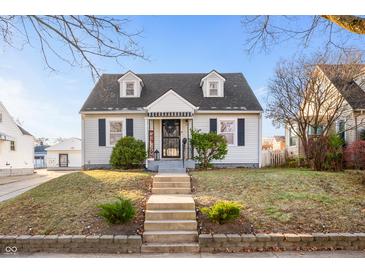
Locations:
column 286, row 254
column 11, row 187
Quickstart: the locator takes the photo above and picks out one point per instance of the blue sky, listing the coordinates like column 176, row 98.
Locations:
column 47, row 103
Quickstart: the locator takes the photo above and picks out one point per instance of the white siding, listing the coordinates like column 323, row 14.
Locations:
column 170, row 102
column 93, row 153
column 23, row 156
column 249, row 153
column 74, row 158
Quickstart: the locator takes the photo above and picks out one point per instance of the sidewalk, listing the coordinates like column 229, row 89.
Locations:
column 284, row 254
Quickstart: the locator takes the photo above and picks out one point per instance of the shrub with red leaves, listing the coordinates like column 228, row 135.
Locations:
column 355, row 155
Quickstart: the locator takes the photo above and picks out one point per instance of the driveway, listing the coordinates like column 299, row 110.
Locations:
column 13, row 186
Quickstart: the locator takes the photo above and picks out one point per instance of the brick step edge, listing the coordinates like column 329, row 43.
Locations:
column 281, row 241
column 70, row 244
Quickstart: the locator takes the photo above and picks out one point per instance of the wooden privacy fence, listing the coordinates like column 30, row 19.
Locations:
column 273, row 158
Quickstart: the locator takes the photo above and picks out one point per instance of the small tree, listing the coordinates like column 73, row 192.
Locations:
column 209, row 146
column 128, row 153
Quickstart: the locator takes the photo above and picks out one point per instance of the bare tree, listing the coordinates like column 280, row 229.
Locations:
column 265, row 31
column 76, row 40
column 302, row 94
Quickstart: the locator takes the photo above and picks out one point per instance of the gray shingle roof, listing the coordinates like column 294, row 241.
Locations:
column 24, row 132
column 237, row 93
column 350, row 90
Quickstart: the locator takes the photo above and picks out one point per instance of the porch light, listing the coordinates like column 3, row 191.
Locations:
column 157, row 155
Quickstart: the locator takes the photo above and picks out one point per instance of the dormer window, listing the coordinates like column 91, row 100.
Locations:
column 129, row 90
column 213, row 88
column 213, row 84
column 130, row 85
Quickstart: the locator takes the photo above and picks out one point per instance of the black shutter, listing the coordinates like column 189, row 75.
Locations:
column 213, row 125
column 102, row 133
column 241, row 132
column 129, row 129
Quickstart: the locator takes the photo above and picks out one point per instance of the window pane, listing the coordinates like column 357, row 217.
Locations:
column 129, row 89
column 115, row 126
column 213, row 92
column 227, row 126
column 229, row 138
column 213, row 85
column 114, row 137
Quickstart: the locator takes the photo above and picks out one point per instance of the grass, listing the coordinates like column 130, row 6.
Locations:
column 68, row 204
column 285, row 200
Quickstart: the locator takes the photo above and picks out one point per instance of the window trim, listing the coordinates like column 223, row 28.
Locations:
column 234, row 129
column 292, row 135
column 12, row 146
column 107, row 130
column 134, row 88
column 209, row 89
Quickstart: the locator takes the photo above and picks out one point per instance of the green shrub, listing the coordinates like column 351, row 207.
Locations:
column 209, row 146
column 118, row 212
column 223, row 211
column 128, row 153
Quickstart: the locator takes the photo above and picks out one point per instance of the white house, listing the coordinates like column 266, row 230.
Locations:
column 351, row 125
column 64, row 155
column 161, row 110
column 16, row 147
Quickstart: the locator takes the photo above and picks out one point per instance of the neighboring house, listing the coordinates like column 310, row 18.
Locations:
column 16, row 147
column 40, row 154
column 161, row 110
column 64, row 155
column 273, row 143
column 350, row 124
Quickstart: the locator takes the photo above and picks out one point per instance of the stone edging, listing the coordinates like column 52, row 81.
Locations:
column 207, row 242
column 280, row 241
column 71, row 244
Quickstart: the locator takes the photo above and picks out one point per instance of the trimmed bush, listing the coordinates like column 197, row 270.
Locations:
column 355, row 155
column 325, row 152
column 118, row 212
column 209, row 146
column 223, row 211
column 128, row 153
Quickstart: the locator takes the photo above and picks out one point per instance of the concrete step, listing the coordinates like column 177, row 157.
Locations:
column 173, row 190
column 171, row 177
column 171, row 184
column 171, row 201
column 165, row 236
column 170, row 248
column 158, row 225
column 170, row 215
column 171, row 170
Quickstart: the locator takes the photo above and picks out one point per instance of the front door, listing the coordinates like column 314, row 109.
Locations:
column 63, row 160
column 171, row 138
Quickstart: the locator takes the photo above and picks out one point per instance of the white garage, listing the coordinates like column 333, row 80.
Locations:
column 65, row 155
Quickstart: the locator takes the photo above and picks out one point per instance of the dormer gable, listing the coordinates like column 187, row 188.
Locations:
column 130, row 85
column 213, row 84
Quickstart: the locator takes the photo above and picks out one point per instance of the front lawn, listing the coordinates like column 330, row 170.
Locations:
column 68, row 204
column 284, row 200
